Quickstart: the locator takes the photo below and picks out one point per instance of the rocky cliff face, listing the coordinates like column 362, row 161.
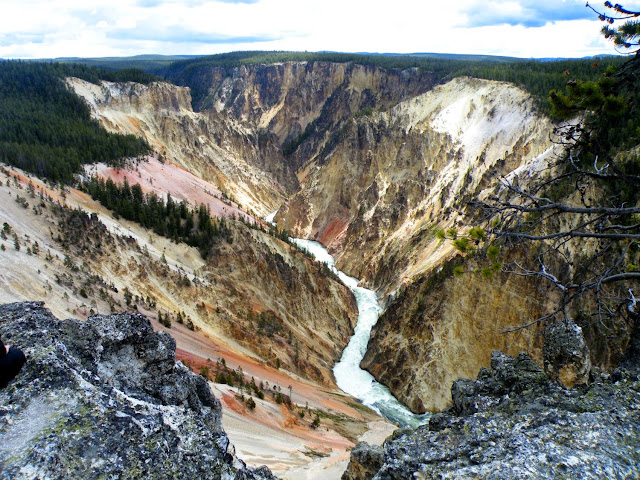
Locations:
column 512, row 422
column 286, row 98
column 244, row 164
column 443, row 327
column 412, row 169
column 105, row 398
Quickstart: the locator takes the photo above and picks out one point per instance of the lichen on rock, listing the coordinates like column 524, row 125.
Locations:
column 566, row 354
column 513, row 422
column 105, row 399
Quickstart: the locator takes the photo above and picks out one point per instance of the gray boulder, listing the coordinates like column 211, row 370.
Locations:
column 105, row 398
column 365, row 461
column 566, row 354
column 513, row 422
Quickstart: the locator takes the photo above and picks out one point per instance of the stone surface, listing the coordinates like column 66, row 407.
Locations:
column 105, row 399
column 365, row 461
column 512, row 422
column 566, row 354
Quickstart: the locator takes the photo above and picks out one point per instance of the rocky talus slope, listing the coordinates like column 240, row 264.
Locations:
column 513, row 422
column 105, row 398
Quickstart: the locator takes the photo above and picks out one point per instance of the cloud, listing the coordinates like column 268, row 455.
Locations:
column 524, row 28
column 180, row 34
column 20, row 38
column 528, row 13
column 186, row 3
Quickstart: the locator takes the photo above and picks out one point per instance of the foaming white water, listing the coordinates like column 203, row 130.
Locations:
column 269, row 218
column 349, row 376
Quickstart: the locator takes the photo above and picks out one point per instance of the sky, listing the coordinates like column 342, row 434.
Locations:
column 100, row 28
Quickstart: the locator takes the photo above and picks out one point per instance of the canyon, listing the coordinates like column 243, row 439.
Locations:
column 372, row 163
column 417, row 159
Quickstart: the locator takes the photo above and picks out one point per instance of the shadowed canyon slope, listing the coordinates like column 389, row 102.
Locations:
column 300, row 102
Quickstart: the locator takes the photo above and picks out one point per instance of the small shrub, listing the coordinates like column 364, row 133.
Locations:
column 492, row 252
column 486, row 272
column 477, row 234
column 316, row 422
column 205, row 372
column 461, row 244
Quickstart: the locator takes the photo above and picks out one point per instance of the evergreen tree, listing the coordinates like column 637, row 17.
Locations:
column 625, row 36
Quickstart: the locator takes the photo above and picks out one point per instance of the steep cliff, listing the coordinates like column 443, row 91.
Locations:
column 411, row 170
column 443, row 327
column 244, row 164
column 105, row 397
column 301, row 103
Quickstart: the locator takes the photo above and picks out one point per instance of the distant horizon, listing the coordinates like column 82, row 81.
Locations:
column 35, row 29
column 179, row 56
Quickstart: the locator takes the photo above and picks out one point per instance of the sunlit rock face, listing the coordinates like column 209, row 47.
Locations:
column 390, row 178
column 246, row 166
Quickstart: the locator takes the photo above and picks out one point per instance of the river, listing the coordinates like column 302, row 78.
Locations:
column 349, row 376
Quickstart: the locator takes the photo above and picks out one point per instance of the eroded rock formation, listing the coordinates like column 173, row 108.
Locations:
column 105, row 398
column 513, row 422
column 244, row 164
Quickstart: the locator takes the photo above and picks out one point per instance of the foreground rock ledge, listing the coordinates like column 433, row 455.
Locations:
column 105, row 399
column 513, row 422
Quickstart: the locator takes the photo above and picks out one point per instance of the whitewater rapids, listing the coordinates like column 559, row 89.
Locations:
column 349, row 376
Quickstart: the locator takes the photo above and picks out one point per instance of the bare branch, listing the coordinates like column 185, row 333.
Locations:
column 570, row 233
column 529, row 324
column 544, row 273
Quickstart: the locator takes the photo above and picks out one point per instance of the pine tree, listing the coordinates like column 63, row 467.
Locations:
column 625, row 36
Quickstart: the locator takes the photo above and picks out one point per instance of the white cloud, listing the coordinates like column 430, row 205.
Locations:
column 524, row 28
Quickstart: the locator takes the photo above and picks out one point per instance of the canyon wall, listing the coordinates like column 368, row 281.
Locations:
column 247, row 166
column 254, row 290
column 396, row 176
column 301, row 103
column 443, row 327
